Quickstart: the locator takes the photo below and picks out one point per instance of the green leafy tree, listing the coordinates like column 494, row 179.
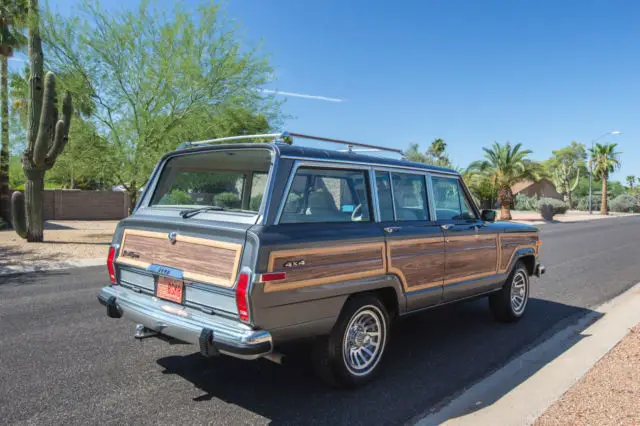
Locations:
column 631, row 180
column 157, row 79
column 605, row 160
column 565, row 166
column 504, row 166
column 12, row 18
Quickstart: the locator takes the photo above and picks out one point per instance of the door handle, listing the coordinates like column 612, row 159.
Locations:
column 447, row 226
column 391, row 229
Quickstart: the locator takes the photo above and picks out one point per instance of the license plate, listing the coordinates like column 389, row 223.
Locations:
column 170, row 289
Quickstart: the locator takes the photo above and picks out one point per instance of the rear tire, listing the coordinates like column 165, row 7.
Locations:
column 350, row 356
column 509, row 304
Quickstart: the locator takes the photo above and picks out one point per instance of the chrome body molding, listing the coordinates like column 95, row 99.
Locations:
column 228, row 336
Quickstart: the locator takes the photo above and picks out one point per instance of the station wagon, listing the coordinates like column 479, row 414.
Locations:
column 240, row 246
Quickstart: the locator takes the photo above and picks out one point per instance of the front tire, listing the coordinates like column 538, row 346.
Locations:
column 351, row 354
column 509, row 304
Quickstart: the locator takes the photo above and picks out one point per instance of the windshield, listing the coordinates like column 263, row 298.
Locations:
column 232, row 180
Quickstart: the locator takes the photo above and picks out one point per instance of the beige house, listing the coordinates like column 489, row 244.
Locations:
column 542, row 188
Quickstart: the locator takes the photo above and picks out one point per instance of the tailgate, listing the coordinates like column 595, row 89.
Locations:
column 203, row 255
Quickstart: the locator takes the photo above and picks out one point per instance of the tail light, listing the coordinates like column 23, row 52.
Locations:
column 242, row 299
column 111, row 264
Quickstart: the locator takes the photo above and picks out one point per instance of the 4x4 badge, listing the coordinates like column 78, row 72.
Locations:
column 172, row 237
column 294, row 263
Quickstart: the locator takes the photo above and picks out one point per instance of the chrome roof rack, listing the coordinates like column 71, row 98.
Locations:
column 287, row 137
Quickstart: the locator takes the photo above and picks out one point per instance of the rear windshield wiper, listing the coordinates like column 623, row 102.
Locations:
column 186, row 214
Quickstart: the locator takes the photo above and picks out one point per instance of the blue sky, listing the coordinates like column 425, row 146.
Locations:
column 542, row 73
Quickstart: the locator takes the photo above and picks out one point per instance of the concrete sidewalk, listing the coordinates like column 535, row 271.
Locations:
column 534, row 218
column 526, row 387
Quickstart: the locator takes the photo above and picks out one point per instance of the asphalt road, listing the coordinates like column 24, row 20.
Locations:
column 64, row 362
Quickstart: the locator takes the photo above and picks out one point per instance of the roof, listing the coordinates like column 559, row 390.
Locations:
column 521, row 186
column 324, row 154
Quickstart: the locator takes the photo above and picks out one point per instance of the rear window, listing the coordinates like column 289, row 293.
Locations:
column 232, row 180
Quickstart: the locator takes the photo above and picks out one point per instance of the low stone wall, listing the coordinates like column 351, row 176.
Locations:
column 62, row 204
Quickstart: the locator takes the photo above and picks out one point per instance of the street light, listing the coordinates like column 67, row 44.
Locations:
column 614, row 132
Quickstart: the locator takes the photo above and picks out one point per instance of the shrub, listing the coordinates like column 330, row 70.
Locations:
column 525, row 203
column 624, row 203
column 549, row 207
column 255, row 202
column 583, row 204
column 176, row 197
column 227, row 199
column 3, row 224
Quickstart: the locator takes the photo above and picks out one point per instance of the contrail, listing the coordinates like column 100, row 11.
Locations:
column 301, row 95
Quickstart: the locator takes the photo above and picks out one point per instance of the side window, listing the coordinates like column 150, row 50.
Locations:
column 410, row 196
column 327, row 195
column 450, row 200
column 385, row 201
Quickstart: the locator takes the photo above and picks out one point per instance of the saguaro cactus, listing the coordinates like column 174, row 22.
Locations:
column 46, row 137
column 562, row 180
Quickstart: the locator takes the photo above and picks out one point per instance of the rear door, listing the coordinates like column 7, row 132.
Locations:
column 324, row 240
column 471, row 251
column 415, row 243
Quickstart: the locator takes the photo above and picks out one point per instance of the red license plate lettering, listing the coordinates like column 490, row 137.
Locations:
column 170, row 289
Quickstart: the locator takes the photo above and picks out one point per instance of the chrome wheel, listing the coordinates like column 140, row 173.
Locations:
column 519, row 292
column 364, row 340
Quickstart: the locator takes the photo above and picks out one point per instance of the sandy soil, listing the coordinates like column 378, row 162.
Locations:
column 609, row 394
column 64, row 240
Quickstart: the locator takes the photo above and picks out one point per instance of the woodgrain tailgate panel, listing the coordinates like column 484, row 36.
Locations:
column 200, row 259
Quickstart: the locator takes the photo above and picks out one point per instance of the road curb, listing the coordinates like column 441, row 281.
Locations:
column 49, row 266
column 519, row 392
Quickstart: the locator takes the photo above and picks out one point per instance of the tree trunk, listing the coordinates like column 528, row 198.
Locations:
column 505, row 197
column 33, row 194
column 603, row 207
column 5, row 206
column 133, row 198
column 570, row 206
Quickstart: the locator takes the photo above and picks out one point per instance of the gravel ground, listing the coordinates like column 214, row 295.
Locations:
column 64, row 240
column 609, row 394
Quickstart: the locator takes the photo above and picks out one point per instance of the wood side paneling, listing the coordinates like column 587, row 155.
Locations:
column 510, row 243
column 470, row 256
column 324, row 265
column 200, row 259
column 419, row 263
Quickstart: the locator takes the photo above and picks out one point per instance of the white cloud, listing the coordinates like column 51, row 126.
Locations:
column 301, row 95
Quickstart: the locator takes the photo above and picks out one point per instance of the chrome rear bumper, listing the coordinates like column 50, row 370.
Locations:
column 212, row 333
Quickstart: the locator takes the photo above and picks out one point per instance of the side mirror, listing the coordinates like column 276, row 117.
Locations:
column 488, row 215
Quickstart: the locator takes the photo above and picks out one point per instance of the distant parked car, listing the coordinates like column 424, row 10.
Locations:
column 297, row 242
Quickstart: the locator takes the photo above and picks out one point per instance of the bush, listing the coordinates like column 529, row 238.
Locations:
column 549, row 207
column 176, row 197
column 525, row 203
column 624, row 204
column 583, row 204
column 228, row 200
column 255, row 202
column 3, row 224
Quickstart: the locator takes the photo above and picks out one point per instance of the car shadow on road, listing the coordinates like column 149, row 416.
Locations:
column 431, row 356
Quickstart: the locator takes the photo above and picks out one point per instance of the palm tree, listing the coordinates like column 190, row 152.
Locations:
column 12, row 13
column 631, row 180
column 605, row 160
column 436, row 152
column 505, row 165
